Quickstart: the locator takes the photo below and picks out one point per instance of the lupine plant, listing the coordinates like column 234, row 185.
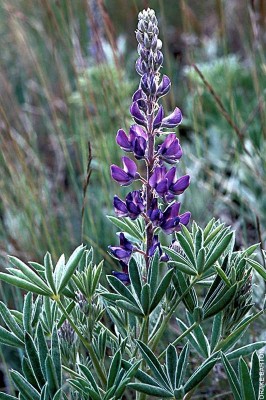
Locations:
column 171, row 312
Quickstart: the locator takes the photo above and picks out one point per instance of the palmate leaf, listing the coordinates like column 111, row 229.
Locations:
column 161, row 289
column 114, row 369
column 70, row 267
column 218, row 250
column 171, row 364
column 34, row 360
column 182, row 366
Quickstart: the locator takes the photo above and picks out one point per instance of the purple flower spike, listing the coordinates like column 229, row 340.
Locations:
column 164, row 87
column 173, row 119
column 136, row 113
column 124, row 251
column 170, row 150
column 124, row 176
column 180, row 185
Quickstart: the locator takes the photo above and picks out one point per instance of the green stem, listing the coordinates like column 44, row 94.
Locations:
column 87, row 344
column 184, row 334
column 164, row 323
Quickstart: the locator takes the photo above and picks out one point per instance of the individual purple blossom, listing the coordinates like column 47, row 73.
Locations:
column 155, row 245
column 132, row 207
column 173, row 119
column 166, row 184
column 154, row 213
column 136, row 142
column 124, row 275
column 126, row 175
column 171, row 220
column 124, row 251
column 170, row 150
column 138, row 115
column 164, row 87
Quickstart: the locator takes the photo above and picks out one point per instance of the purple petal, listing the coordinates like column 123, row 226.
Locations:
column 139, row 147
column 120, row 176
column 164, row 86
column 122, row 140
column 123, row 277
column 159, row 118
column 184, row 218
column 162, row 187
column 120, row 207
column 129, row 166
column 138, row 116
column 137, row 95
column 173, row 119
column 180, row 185
column 170, row 175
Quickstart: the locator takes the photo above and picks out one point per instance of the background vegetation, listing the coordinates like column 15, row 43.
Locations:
column 66, row 77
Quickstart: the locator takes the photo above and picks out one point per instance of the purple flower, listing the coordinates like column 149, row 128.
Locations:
column 178, row 186
column 170, row 150
column 135, row 142
column 173, row 119
column 132, row 207
column 171, row 219
column 137, row 114
column 127, row 175
column 154, row 213
column 124, row 275
column 159, row 118
column 134, row 203
column 166, row 184
column 124, row 251
column 164, row 87
column 155, row 244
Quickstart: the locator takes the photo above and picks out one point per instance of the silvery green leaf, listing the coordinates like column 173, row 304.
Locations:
column 70, row 267
column 163, row 286
column 219, row 249
column 10, row 321
column 232, row 377
column 216, row 330
column 200, row 374
column 154, row 365
column 127, row 227
column 246, row 387
column 9, row 338
column 146, row 298
column 30, row 275
column 51, row 375
column 135, row 277
column 182, row 366
column 254, row 373
column 156, row 391
column 22, row 283
column 48, row 264
column 24, row 387
column 34, row 360
column 171, row 364
column 56, row 355
column 188, row 250
column 28, row 313
column 245, row 350
column 114, row 369
column 5, row 396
